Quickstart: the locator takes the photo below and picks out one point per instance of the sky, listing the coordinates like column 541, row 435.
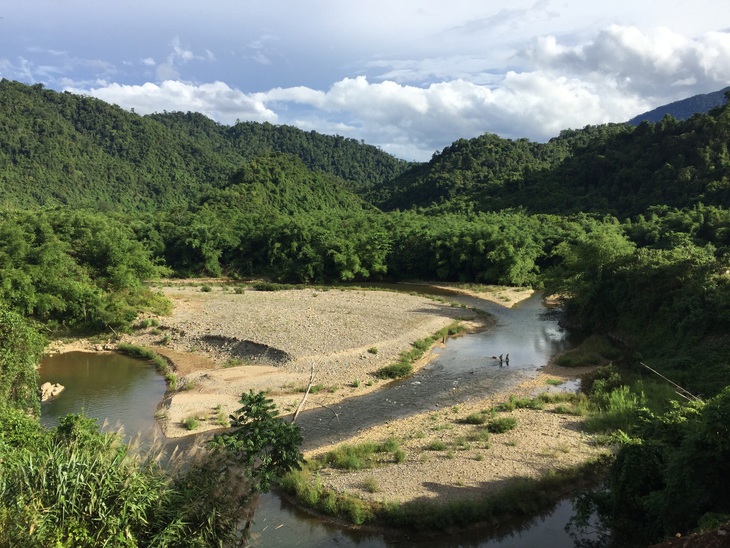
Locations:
column 407, row 76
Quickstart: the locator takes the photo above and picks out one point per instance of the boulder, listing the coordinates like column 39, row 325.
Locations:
column 49, row 390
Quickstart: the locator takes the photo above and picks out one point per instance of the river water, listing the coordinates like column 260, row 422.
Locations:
column 125, row 391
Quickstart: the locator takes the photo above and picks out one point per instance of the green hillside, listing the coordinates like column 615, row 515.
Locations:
column 629, row 225
column 611, row 169
column 64, row 149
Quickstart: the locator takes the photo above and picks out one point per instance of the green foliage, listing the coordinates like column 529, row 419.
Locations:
column 191, row 423
column 363, row 455
column 66, row 149
column 500, row 425
column 395, row 370
column 595, row 350
column 76, row 486
column 618, row 409
column 476, row 418
column 79, row 269
column 160, row 362
column 436, row 445
column 256, row 200
column 673, row 474
column 522, row 497
column 21, row 348
column 266, row 446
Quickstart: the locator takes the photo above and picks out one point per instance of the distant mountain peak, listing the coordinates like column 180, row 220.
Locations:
column 685, row 108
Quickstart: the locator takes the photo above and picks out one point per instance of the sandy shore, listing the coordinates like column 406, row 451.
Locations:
column 224, row 343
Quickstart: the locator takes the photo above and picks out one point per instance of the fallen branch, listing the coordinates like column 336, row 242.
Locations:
column 336, row 415
column 306, row 393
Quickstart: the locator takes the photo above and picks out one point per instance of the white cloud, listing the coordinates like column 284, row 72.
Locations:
column 647, row 63
column 408, row 121
column 216, row 100
column 414, row 106
column 179, row 53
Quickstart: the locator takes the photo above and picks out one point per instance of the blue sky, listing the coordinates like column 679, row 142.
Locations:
column 410, row 77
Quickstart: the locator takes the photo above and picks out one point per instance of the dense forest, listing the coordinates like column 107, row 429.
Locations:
column 631, row 224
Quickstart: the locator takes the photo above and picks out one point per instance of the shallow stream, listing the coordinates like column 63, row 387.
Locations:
column 126, row 391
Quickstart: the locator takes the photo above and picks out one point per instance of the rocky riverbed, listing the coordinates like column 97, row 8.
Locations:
column 223, row 343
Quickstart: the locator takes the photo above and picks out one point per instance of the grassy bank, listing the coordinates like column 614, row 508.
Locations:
column 520, row 498
column 160, row 362
column 404, row 366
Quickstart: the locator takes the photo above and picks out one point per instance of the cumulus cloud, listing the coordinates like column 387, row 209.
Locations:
column 216, row 100
column 646, row 63
column 551, row 85
column 408, row 121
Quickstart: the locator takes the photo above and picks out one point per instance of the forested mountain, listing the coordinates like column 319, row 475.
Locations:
column 685, row 108
column 64, row 149
column 630, row 224
column 473, row 173
column 611, row 169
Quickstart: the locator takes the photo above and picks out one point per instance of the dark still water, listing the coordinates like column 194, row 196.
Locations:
column 120, row 390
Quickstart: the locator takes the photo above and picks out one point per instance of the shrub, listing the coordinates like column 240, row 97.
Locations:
column 520, row 403
column 595, row 350
column 272, row 286
column 206, row 289
column 618, row 410
column 394, row 371
column 357, row 510
column 191, row 423
column 370, row 484
column 436, row 445
column 501, row 425
column 351, row 457
column 388, row 446
column 475, row 418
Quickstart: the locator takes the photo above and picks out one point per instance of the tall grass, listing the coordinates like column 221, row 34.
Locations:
column 404, row 366
column 76, row 486
column 362, row 455
column 616, row 410
column 146, row 354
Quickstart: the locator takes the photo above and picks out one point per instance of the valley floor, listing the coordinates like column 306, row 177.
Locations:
column 224, row 343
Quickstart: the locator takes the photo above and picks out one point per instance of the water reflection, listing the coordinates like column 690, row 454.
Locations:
column 109, row 387
column 281, row 524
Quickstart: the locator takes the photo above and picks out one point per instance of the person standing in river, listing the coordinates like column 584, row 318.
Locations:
column 506, row 360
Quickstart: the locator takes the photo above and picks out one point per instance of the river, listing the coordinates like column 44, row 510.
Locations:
column 126, row 391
